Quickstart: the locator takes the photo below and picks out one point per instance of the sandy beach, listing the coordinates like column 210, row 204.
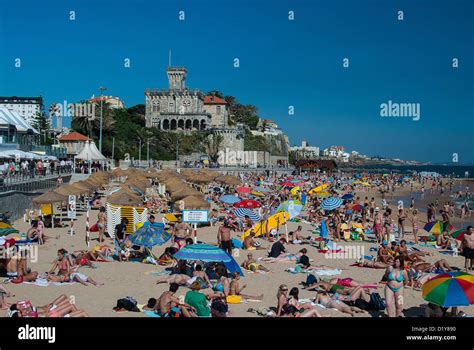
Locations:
column 123, row 279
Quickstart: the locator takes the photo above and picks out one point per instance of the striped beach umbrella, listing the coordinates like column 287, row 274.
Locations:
column 202, row 252
column 450, row 289
column 243, row 212
column 229, row 199
column 331, row 203
column 436, row 227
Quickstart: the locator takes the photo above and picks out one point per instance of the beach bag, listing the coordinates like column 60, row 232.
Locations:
column 376, row 302
column 233, row 299
column 362, row 304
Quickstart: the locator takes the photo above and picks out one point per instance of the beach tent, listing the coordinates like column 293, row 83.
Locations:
column 90, row 152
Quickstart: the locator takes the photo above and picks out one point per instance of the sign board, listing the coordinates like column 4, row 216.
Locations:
column 71, row 207
column 195, row 216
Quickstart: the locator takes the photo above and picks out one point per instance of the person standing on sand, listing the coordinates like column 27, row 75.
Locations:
column 467, row 246
column 401, row 223
column 396, row 277
column 101, row 223
column 414, row 225
column 336, row 220
column 224, row 238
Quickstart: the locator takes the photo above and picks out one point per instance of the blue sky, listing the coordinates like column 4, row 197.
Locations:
column 282, row 62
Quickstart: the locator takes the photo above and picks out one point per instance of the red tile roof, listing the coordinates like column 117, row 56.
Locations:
column 73, row 136
column 214, row 100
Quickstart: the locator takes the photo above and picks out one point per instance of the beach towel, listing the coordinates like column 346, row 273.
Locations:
column 150, row 313
column 331, row 251
column 42, row 282
column 298, row 269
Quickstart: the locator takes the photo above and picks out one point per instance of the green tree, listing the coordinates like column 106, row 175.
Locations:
column 212, row 145
column 41, row 123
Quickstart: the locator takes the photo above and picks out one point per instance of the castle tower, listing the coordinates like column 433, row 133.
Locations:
column 176, row 78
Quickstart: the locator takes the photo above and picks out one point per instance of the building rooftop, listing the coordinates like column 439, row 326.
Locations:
column 214, row 100
column 73, row 136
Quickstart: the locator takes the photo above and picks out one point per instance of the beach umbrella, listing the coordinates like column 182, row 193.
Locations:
column 202, row 252
column 436, row 227
column 287, row 184
column 357, row 207
column 450, row 289
column 233, row 266
column 347, row 196
column 7, row 231
column 248, row 203
column 319, row 188
column 293, row 207
column 150, row 235
column 229, row 199
column 331, row 203
column 243, row 212
column 243, row 189
column 257, row 194
column 459, row 234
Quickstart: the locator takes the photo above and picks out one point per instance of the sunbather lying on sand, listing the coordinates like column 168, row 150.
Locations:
column 352, row 293
column 179, row 279
column 292, row 311
column 59, row 307
column 372, row 263
column 440, row 265
column 330, row 303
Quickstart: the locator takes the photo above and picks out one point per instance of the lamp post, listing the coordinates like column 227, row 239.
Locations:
column 102, row 89
column 139, row 151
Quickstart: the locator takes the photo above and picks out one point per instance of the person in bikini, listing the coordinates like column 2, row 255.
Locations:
column 325, row 300
column 101, row 223
column 235, row 289
column 396, row 277
column 63, row 266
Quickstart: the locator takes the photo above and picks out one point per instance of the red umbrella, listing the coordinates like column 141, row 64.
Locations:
column 357, row 207
column 243, row 189
column 248, row 203
column 287, row 184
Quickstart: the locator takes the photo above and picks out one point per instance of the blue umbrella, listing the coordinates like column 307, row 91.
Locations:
column 233, row 266
column 202, row 252
column 331, row 203
column 242, row 212
column 347, row 196
column 229, row 199
column 150, row 235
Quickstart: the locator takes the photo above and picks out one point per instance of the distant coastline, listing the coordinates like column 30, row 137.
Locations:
column 446, row 170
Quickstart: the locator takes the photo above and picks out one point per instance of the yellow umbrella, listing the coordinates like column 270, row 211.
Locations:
column 318, row 188
column 294, row 190
column 256, row 193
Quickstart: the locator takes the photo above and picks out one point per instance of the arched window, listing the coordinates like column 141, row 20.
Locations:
column 188, row 124
column 166, row 124
column 156, row 106
column 196, row 124
column 203, row 124
column 173, row 124
column 181, row 124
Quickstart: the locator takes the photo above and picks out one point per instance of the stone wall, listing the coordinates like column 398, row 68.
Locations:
column 16, row 203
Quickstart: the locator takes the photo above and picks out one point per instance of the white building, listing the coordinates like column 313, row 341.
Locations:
column 305, row 151
column 26, row 107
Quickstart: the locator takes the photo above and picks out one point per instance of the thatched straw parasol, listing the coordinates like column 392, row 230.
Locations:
column 125, row 197
column 183, row 192
column 81, row 186
column 228, row 180
column 195, row 202
column 49, row 198
column 67, row 190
